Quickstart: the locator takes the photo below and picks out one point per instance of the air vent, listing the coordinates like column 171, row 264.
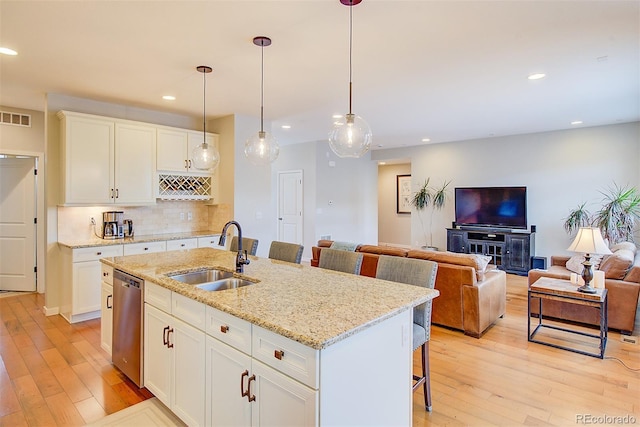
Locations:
column 16, row 119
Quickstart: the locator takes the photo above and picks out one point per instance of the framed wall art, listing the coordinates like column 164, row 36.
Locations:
column 403, row 194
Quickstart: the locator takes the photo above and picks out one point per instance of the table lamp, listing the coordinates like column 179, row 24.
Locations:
column 589, row 242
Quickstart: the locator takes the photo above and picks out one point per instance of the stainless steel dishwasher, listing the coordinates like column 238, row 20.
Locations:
column 128, row 300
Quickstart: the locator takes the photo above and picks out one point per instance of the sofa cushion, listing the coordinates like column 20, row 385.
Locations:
column 383, row 250
column 575, row 263
column 478, row 262
column 634, row 272
column 324, row 243
column 617, row 265
column 344, row 246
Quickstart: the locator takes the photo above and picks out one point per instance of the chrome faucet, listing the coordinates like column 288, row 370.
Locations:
column 241, row 257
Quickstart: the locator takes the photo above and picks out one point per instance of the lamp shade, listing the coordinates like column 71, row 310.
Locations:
column 261, row 148
column 350, row 137
column 589, row 241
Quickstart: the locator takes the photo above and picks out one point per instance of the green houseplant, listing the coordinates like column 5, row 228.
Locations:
column 617, row 217
column 433, row 198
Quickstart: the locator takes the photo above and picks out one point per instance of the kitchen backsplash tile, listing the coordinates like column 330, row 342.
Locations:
column 164, row 217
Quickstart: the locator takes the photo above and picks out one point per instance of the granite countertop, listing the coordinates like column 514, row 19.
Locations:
column 313, row 306
column 97, row 241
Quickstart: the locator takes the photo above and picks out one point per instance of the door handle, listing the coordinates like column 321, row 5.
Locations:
column 170, row 345
column 242, row 392
column 250, row 397
column 279, row 219
column 165, row 339
column 109, row 298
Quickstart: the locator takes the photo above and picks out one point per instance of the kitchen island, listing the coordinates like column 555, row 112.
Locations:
column 318, row 347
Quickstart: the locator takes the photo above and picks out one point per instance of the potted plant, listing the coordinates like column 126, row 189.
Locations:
column 430, row 197
column 616, row 218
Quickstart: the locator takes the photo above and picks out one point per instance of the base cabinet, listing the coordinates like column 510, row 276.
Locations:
column 174, row 354
column 509, row 251
column 266, row 397
column 81, row 278
column 106, row 309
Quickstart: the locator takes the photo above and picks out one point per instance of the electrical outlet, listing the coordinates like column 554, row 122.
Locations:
column 189, row 216
column 629, row 339
column 181, row 216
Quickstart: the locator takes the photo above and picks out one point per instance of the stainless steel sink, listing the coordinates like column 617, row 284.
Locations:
column 221, row 285
column 202, row 276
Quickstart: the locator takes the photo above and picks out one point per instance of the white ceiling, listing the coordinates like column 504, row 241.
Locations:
column 444, row 70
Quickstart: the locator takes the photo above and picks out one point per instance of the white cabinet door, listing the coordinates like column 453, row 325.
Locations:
column 188, row 390
column 87, row 144
column 134, row 163
column 86, row 282
column 225, row 366
column 157, row 355
column 145, row 248
column 281, row 400
column 106, row 319
column 182, row 244
column 211, row 242
column 171, row 150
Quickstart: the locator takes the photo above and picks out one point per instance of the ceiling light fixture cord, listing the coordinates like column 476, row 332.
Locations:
column 350, row 52
column 262, row 87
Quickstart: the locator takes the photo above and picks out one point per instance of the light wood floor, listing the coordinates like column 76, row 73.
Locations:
column 53, row 373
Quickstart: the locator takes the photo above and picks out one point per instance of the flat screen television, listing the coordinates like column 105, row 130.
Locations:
column 500, row 207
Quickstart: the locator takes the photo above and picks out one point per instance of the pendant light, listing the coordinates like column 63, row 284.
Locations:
column 261, row 148
column 204, row 157
column 350, row 137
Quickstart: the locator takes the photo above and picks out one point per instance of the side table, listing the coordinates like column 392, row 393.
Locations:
column 547, row 288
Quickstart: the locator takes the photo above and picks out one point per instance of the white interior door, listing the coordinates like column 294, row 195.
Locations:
column 290, row 206
column 17, row 227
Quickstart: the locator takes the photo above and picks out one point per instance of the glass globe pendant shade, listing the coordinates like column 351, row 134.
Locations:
column 351, row 137
column 261, row 148
column 205, row 157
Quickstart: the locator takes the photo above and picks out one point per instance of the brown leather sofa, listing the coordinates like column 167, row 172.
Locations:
column 622, row 280
column 472, row 297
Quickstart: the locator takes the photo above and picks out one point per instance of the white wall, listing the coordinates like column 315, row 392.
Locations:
column 561, row 169
column 393, row 228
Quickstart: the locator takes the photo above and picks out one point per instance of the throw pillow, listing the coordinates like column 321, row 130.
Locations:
column 344, row 246
column 624, row 245
column 575, row 263
column 617, row 265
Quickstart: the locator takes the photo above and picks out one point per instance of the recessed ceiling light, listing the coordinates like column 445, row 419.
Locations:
column 576, row 122
column 169, row 98
column 382, row 163
column 537, row 76
column 7, row 51
column 426, row 140
column 286, row 126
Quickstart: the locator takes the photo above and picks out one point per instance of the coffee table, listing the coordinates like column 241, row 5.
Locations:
column 547, row 288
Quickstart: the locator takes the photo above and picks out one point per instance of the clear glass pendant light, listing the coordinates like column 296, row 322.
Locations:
column 350, row 136
column 204, row 156
column 261, row 148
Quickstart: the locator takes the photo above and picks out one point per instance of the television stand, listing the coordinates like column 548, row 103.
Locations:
column 509, row 250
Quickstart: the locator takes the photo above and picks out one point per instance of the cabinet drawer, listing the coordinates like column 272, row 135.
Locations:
column 210, row 242
column 96, row 252
column 157, row 296
column 229, row 329
column 107, row 274
column 188, row 310
column 145, row 248
column 180, row 244
column 285, row 355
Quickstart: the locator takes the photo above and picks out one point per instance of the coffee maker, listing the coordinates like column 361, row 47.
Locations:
column 112, row 227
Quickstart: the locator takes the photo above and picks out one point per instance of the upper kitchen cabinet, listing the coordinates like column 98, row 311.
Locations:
column 106, row 161
column 174, row 149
